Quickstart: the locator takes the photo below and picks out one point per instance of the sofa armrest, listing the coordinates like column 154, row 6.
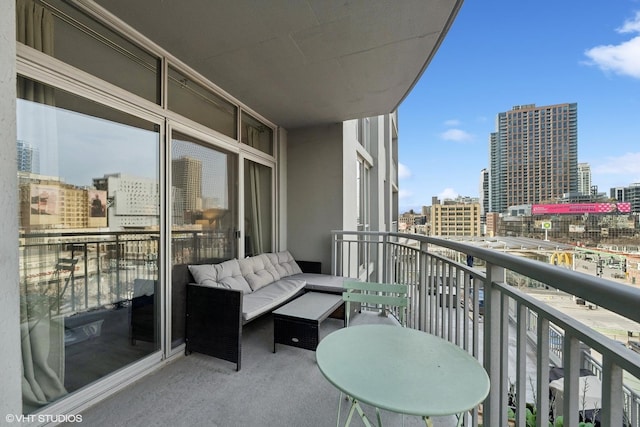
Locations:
column 214, row 322
column 310, row 266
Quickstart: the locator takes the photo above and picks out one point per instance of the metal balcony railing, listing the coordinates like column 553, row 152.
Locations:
column 462, row 293
column 88, row 270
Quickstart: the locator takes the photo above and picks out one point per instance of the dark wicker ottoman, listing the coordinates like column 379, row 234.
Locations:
column 298, row 323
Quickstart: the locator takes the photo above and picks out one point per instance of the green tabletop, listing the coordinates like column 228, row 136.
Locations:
column 402, row 370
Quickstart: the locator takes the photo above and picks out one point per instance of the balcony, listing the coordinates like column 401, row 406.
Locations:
column 480, row 299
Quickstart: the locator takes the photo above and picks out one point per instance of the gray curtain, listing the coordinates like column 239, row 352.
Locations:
column 34, row 28
column 255, row 214
column 42, row 334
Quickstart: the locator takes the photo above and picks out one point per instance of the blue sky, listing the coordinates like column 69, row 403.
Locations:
column 502, row 53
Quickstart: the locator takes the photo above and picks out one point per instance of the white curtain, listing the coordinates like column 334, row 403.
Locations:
column 42, row 335
column 41, row 383
column 255, row 219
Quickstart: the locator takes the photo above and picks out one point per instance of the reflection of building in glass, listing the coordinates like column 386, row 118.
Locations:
column 28, row 157
column 48, row 203
column 211, row 203
column 187, row 176
column 132, row 201
column 177, row 207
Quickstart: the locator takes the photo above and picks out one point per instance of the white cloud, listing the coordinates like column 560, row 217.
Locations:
column 403, row 171
column 456, row 135
column 404, row 194
column 623, row 58
column 453, row 122
column 628, row 165
column 448, row 193
column 631, row 25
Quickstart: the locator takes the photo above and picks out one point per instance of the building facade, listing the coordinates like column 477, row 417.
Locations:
column 629, row 194
column 112, row 95
column 533, row 155
column 584, row 178
column 455, row 219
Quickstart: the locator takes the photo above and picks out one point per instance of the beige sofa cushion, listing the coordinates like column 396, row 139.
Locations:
column 284, row 263
column 204, row 274
column 230, row 276
column 258, row 271
column 267, row 298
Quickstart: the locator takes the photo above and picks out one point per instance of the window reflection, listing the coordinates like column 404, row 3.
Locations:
column 89, row 215
column 204, row 212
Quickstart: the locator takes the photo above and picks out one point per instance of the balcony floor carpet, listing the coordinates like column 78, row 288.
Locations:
column 281, row 389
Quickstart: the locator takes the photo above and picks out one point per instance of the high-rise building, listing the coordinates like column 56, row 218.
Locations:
column 187, row 175
column 484, row 198
column 484, row 191
column 28, row 157
column 584, row 178
column 533, row 155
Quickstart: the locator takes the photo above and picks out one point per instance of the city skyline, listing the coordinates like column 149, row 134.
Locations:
column 495, row 57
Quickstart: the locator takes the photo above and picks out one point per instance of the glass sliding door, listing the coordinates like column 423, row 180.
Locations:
column 89, row 220
column 204, row 214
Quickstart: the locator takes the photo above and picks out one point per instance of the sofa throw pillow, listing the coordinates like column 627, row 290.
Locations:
column 254, row 269
column 229, row 275
column 204, row 274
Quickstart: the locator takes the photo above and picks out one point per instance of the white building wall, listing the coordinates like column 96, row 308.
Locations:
column 349, row 176
column 281, row 138
column 315, row 191
column 11, row 390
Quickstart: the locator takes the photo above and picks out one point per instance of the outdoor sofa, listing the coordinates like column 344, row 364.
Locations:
column 223, row 297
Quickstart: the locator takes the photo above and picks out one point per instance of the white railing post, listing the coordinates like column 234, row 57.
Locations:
column 422, row 290
column 492, row 345
column 612, row 396
column 542, row 368
column 571, row 387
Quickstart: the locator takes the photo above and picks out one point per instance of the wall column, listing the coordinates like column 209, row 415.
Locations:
column 10, row 378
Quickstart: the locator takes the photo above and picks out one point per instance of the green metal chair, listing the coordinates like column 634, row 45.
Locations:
column 379, row 296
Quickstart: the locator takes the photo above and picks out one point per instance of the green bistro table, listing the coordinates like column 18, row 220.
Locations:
column 401, row 370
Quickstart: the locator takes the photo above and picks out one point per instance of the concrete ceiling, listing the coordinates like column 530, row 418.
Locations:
column 300, row 62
